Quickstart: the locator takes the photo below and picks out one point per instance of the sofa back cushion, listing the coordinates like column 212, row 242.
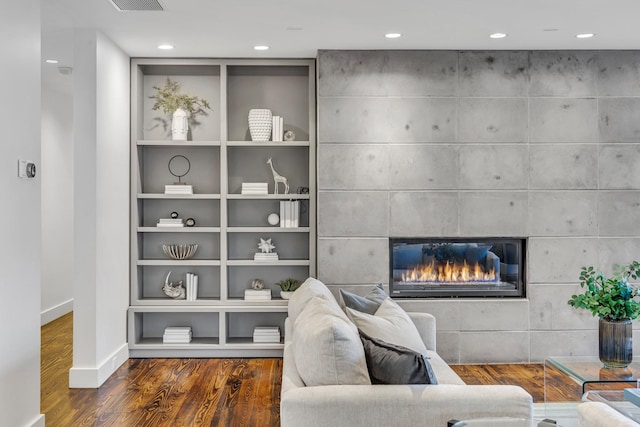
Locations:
column 326, row 346
column 310, row 288
column 367, row 304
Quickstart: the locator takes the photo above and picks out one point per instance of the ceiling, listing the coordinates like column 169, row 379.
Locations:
column 298, row 28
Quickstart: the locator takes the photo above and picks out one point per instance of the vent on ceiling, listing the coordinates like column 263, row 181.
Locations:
column 136, row 5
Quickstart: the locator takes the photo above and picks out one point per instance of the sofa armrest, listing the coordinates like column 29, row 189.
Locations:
column 426, row 325
column 400, row 405
column 598, row 414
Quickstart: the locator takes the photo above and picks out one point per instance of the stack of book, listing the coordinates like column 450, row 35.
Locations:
column 255, row 188
column 277, row 129
column 263, row 256
column 257, row 294
column 266, row 334
column 289, row 213
column 170, row 222
column 177, row 335
column 192, row 287
column 178, row 189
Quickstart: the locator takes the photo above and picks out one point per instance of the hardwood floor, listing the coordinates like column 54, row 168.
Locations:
column 209, row 392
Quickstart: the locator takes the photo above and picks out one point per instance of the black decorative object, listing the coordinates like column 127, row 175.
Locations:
column 179, row 166
column 174, row 215
column 615, row 339
column 190, row 222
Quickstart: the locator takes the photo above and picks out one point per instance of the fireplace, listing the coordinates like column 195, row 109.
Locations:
column 457, row 267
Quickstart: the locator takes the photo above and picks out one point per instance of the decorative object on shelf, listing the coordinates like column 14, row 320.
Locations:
column 174, row 291
column 289, row 135
column 613, row 300
column 255, row 188
column 303, row 190
column 190, row 222
column 289, row 213
column 174, row 215
column 273, row 219
column 266, row 334
column 277, row 179
column 257, row 284
column 265, row 253
column 288, row 286
column 257, row 294
column 182, row 108
column 178, row 166
column 177, row 335
column 180, row 252
column 260, row 122
column 192, row 287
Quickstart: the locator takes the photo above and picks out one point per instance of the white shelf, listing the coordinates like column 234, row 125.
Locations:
column 178, row 229
column 274, row 229
column 196, row 343
column 281, row 263
column 270, row 144
column 186, row 262
column 177, row 196
column 160, row 143
column 199, row 303
column 268, row 197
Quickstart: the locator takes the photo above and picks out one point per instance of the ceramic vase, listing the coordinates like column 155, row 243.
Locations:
column 285, row 294
column 260, row 122
column 615, row 342
column 179, row 125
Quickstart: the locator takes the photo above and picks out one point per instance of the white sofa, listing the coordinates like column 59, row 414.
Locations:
column 598, row 414
column 391, row 405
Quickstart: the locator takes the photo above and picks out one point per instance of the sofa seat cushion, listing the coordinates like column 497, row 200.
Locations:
column 391, row 324
column 326, row 346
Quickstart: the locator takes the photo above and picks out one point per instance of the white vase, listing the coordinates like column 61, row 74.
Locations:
column 285, row 294
column 260, row 122
column 179, row 125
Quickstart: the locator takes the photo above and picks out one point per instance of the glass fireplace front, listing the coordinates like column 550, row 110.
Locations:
column 457, row 267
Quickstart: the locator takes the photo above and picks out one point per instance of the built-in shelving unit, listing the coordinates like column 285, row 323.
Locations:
column 228, row 224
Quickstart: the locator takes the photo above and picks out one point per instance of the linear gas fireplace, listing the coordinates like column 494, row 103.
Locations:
column 457, row 267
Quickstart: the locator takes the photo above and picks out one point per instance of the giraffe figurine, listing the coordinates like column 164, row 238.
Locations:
column 277, row 179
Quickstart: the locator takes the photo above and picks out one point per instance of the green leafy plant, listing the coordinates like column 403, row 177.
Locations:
column 289, row 285
column 611, row 298
column 169, row 99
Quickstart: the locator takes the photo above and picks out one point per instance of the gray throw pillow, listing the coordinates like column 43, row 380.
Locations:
column 393, row 364
column 366, row 304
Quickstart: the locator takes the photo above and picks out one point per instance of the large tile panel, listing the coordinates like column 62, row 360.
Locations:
column 619, row 166
column 559, row 260
column 563, row 166
column 619, row 119
column 353, row 213
column 423, row 167
column 494, row 73
column 563, row 119
column 563, row 213
column 494, row 347
column 494, row 315
column 353, row 120
column 493, row 120
column 351, row 73
column 353, row 167
column 563, row 343
column 563, row 73
column 619, row 213
column 494, row 167
column 617, row 250
column 422, row 73
column 353, row 260
column 493, row 213
column 418, row 214
column 550, row 311
column 619, row 73
column 422, row 119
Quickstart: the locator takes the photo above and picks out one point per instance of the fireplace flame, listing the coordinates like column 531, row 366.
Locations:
column 449, row 272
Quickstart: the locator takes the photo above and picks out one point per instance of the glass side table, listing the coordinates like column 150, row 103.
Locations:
column 587, row 370
column 615, row 399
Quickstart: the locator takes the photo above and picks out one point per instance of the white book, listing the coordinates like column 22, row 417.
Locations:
column 169, row 225
column 281, row 128
column 177, row 329
column 282, row 204
column 296, row 213
column 266, row 340
column 255, row 184
column 170, row 220
column 273, row 256
column 257, row 292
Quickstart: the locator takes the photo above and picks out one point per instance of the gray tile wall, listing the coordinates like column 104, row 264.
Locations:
column 544, row 145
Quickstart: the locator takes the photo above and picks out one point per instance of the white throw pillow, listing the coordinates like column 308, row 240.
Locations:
column 326, row 346
column 310, row 288
column 391, row 324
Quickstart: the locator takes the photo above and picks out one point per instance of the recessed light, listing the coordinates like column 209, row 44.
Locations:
column 585, row 35
column 165, row 47
column 51, row 61
column 497, row 35
column 393, row 35
column 261, row 47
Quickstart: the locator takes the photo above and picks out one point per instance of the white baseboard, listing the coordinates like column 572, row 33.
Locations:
column 55, row 312
column 95, row 377
column 38, row 422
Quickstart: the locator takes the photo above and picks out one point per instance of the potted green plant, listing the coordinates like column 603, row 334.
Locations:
column 180, row 107
column 287, row 286
column 614, row 301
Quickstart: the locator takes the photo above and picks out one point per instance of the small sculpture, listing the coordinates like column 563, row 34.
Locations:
column 277, row 179
column 173, row 291
column 257, row 284
column 265, row 246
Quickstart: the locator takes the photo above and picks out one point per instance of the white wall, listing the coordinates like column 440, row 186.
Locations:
column 101, row 208
column 20, row 231
column 57, row 219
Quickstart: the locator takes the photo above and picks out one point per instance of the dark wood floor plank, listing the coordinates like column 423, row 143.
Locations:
column 212, row 392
